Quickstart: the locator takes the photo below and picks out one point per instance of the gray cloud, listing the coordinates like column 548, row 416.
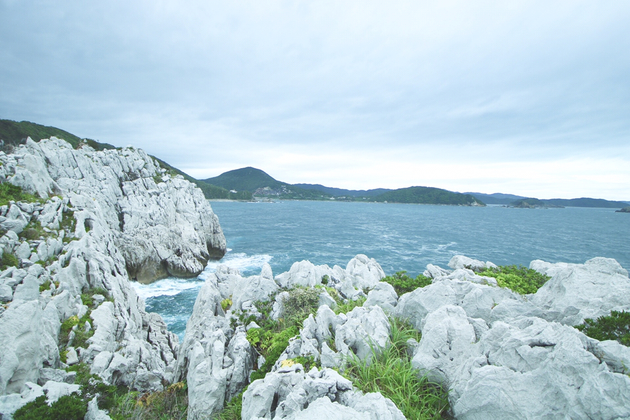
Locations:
column 214, row 86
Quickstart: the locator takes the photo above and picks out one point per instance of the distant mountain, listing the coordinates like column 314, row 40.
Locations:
column 340, row 192
column 261, row 184
column 587, row 202
column 14, row 133
column 244, row 179
column 508, row 199
column 496, row 198
column 428, row 195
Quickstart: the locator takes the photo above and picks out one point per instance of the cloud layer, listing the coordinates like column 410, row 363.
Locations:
column 529, row 98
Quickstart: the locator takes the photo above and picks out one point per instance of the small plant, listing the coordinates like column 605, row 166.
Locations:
column 404, row 284
column 325, row 279
column 10, row 192
column 44, row 286
column 232, row 410
column 520, row 279
column 9, row 260
column 226, row 304
column 68, row 407
column 389, row 372
column 300, row 303
column 615, row 326
column 344, row 308
column 68, row 224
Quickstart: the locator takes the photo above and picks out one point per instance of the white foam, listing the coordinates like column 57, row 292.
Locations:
column 166, row 287
column 245, row 264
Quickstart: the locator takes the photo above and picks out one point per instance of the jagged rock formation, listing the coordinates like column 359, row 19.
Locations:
column 502, row 355
column 116, row 214
column 216, row 359
column 497, row 353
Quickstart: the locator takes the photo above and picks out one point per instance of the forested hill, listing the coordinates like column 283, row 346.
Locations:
column 14, row 133
column 428, row 195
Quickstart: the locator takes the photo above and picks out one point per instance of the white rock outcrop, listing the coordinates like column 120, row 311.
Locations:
column 116, row 214
column 502, row 355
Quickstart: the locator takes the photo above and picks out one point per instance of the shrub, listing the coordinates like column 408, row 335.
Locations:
column 389, row 372
column 300, row 303
column 404, row 284
column 68, row 407
column 10, row 192
column 9, row 260
column 520, row 279
column 615, row 326
column 226, row 304
column 344, row 308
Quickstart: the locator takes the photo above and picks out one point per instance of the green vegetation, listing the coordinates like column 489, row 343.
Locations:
column 390, row 372
column 8, row 260
column 170, row 404
column 233, row 409
column 520, row 279
column 226, row 304
column 345, row 307
column 68, row 407
column 427, row 195
column 272, row 338
column 34, row 230
column 404, row 284
column 10, row 192
column 14, row 133
column 615, row 326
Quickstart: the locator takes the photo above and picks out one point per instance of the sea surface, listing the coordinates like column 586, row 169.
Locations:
column 399, row 236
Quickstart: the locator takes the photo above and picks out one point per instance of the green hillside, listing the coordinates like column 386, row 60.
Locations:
column 14, row 133
column 428, row 195
column 587, row 202
column 244, row 179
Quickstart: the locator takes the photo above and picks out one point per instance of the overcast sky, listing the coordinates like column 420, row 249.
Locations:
column 529, row 98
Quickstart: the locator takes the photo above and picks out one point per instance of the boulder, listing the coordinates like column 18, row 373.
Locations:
column 579, row 291
column 292, row 393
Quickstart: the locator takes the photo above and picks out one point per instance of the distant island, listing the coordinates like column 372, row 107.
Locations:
column 624, row 210
column 249, row 183
column 533, row 203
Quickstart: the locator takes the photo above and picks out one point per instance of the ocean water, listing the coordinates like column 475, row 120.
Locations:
column 399, row 236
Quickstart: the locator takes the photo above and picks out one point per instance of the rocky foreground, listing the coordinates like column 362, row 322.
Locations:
column 112, row 216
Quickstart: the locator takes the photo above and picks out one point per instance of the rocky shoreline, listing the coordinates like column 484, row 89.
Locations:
column 109, row 217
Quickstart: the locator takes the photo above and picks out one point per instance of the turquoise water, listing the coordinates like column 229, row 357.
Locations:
column 399, row 236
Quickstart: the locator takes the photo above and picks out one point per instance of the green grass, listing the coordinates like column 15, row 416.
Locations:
column 615, row 326
column 8, row 260
column 404, row 284
column 10, row 192
column 520, row 279
column 389, row 372
column 344, row 308
column 68, row 407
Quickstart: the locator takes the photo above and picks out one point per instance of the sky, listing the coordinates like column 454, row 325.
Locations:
column 522, row 97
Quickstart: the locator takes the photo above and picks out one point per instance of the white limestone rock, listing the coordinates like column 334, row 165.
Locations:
column 303, row 273
column 461, row 261
column 366, row 271
column 215, row 362
column 290, row 393
column 579, row 291
column 382, row 295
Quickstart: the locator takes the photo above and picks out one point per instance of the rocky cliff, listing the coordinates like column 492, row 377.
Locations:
column 104, row 217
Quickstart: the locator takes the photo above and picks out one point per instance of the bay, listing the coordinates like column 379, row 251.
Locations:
column 399, row 236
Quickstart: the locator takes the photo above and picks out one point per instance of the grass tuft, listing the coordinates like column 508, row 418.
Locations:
column 390, row 372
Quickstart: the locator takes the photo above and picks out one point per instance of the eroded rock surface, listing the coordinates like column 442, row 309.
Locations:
column 115, row 214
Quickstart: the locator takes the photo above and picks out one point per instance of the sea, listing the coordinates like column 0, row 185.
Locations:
column 401, row 237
